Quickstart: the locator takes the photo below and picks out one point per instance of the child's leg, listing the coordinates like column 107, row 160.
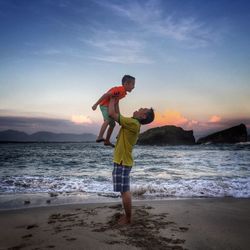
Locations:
column 102, row 131
column 109, row 133
column 105, row 124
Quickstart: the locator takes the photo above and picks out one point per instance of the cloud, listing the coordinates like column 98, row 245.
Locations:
column 81, row 119
column 123, row 59
column 47, row 52
column 215, row 119
column 170, row 118
column 34, row 124
column 150, row 18
column 52, row 52
column 109, row 44
column 117, row 47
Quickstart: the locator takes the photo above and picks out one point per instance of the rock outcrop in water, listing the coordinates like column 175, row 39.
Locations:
column 166, row 135
column 230, row 135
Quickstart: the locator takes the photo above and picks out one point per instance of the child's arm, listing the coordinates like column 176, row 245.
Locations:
column 106, row 95
column 112, row 111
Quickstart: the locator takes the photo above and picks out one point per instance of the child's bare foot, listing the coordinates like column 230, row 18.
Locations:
column 100, row 139
column 124, row 220
column 108, row 143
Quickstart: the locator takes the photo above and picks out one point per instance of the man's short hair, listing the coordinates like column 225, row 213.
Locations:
column 149, row 118
column 127, row 78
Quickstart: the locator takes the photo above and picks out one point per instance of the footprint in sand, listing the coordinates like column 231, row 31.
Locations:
column 118, row 206
column 183, row 229
column 144, row 230
column 70, row 239
column 31, row 226
column 27, row 236
column 17, row 247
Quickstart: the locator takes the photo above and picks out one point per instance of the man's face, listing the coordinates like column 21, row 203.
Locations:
column 141, row 113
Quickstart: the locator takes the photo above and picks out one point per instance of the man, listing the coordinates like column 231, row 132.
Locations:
column 123, row 159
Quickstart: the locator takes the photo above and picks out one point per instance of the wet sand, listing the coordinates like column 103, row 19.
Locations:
column 221, row 223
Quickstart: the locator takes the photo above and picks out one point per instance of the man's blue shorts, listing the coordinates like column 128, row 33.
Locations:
column 121, row 178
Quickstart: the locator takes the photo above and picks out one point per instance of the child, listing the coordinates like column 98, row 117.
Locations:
column 123, row 159
column 128, row 84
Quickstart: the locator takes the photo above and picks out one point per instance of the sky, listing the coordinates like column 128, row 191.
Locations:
column 190, row 58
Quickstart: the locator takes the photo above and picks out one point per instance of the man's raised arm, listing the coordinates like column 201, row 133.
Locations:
column 112, row 111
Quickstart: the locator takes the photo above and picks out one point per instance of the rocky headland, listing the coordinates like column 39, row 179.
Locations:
column 172, row 135
column 166, row 135
column 231, row 135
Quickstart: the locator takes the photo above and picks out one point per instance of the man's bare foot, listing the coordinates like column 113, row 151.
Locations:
column 124, row 220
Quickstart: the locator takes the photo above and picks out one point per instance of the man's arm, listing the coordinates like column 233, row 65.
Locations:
column 112, row 111
column 106, row 95
column 117, row 108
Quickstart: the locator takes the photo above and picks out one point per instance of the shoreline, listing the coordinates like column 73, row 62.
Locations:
column 204, row 223
column 19, row 201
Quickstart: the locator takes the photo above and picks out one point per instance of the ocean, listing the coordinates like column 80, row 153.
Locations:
column 159, row 172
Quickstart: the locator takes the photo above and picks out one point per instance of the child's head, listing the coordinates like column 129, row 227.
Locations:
column 128, row 82
column 144, row 115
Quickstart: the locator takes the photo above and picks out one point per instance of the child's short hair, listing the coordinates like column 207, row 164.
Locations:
column 149, row 118
column 127, row 78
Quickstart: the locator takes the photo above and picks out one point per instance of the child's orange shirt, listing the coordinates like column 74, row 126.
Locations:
column 119, row 92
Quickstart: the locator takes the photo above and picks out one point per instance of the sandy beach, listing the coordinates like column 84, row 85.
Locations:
column 221, row 223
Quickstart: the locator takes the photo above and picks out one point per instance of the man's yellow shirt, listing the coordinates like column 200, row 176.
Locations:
column 126, row 139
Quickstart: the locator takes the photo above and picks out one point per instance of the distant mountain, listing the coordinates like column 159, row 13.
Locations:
column 13, row 135
column 44, row 136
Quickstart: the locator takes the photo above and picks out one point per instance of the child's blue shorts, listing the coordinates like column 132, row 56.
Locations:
column 121, row 180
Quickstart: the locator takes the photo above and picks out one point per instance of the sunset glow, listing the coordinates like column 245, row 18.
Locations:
column 190, row 60
column 80, row 119
column 215, row 119
column 169, row 118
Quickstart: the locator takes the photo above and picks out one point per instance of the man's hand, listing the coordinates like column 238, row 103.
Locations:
column 112, row 111
column 117, row 109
